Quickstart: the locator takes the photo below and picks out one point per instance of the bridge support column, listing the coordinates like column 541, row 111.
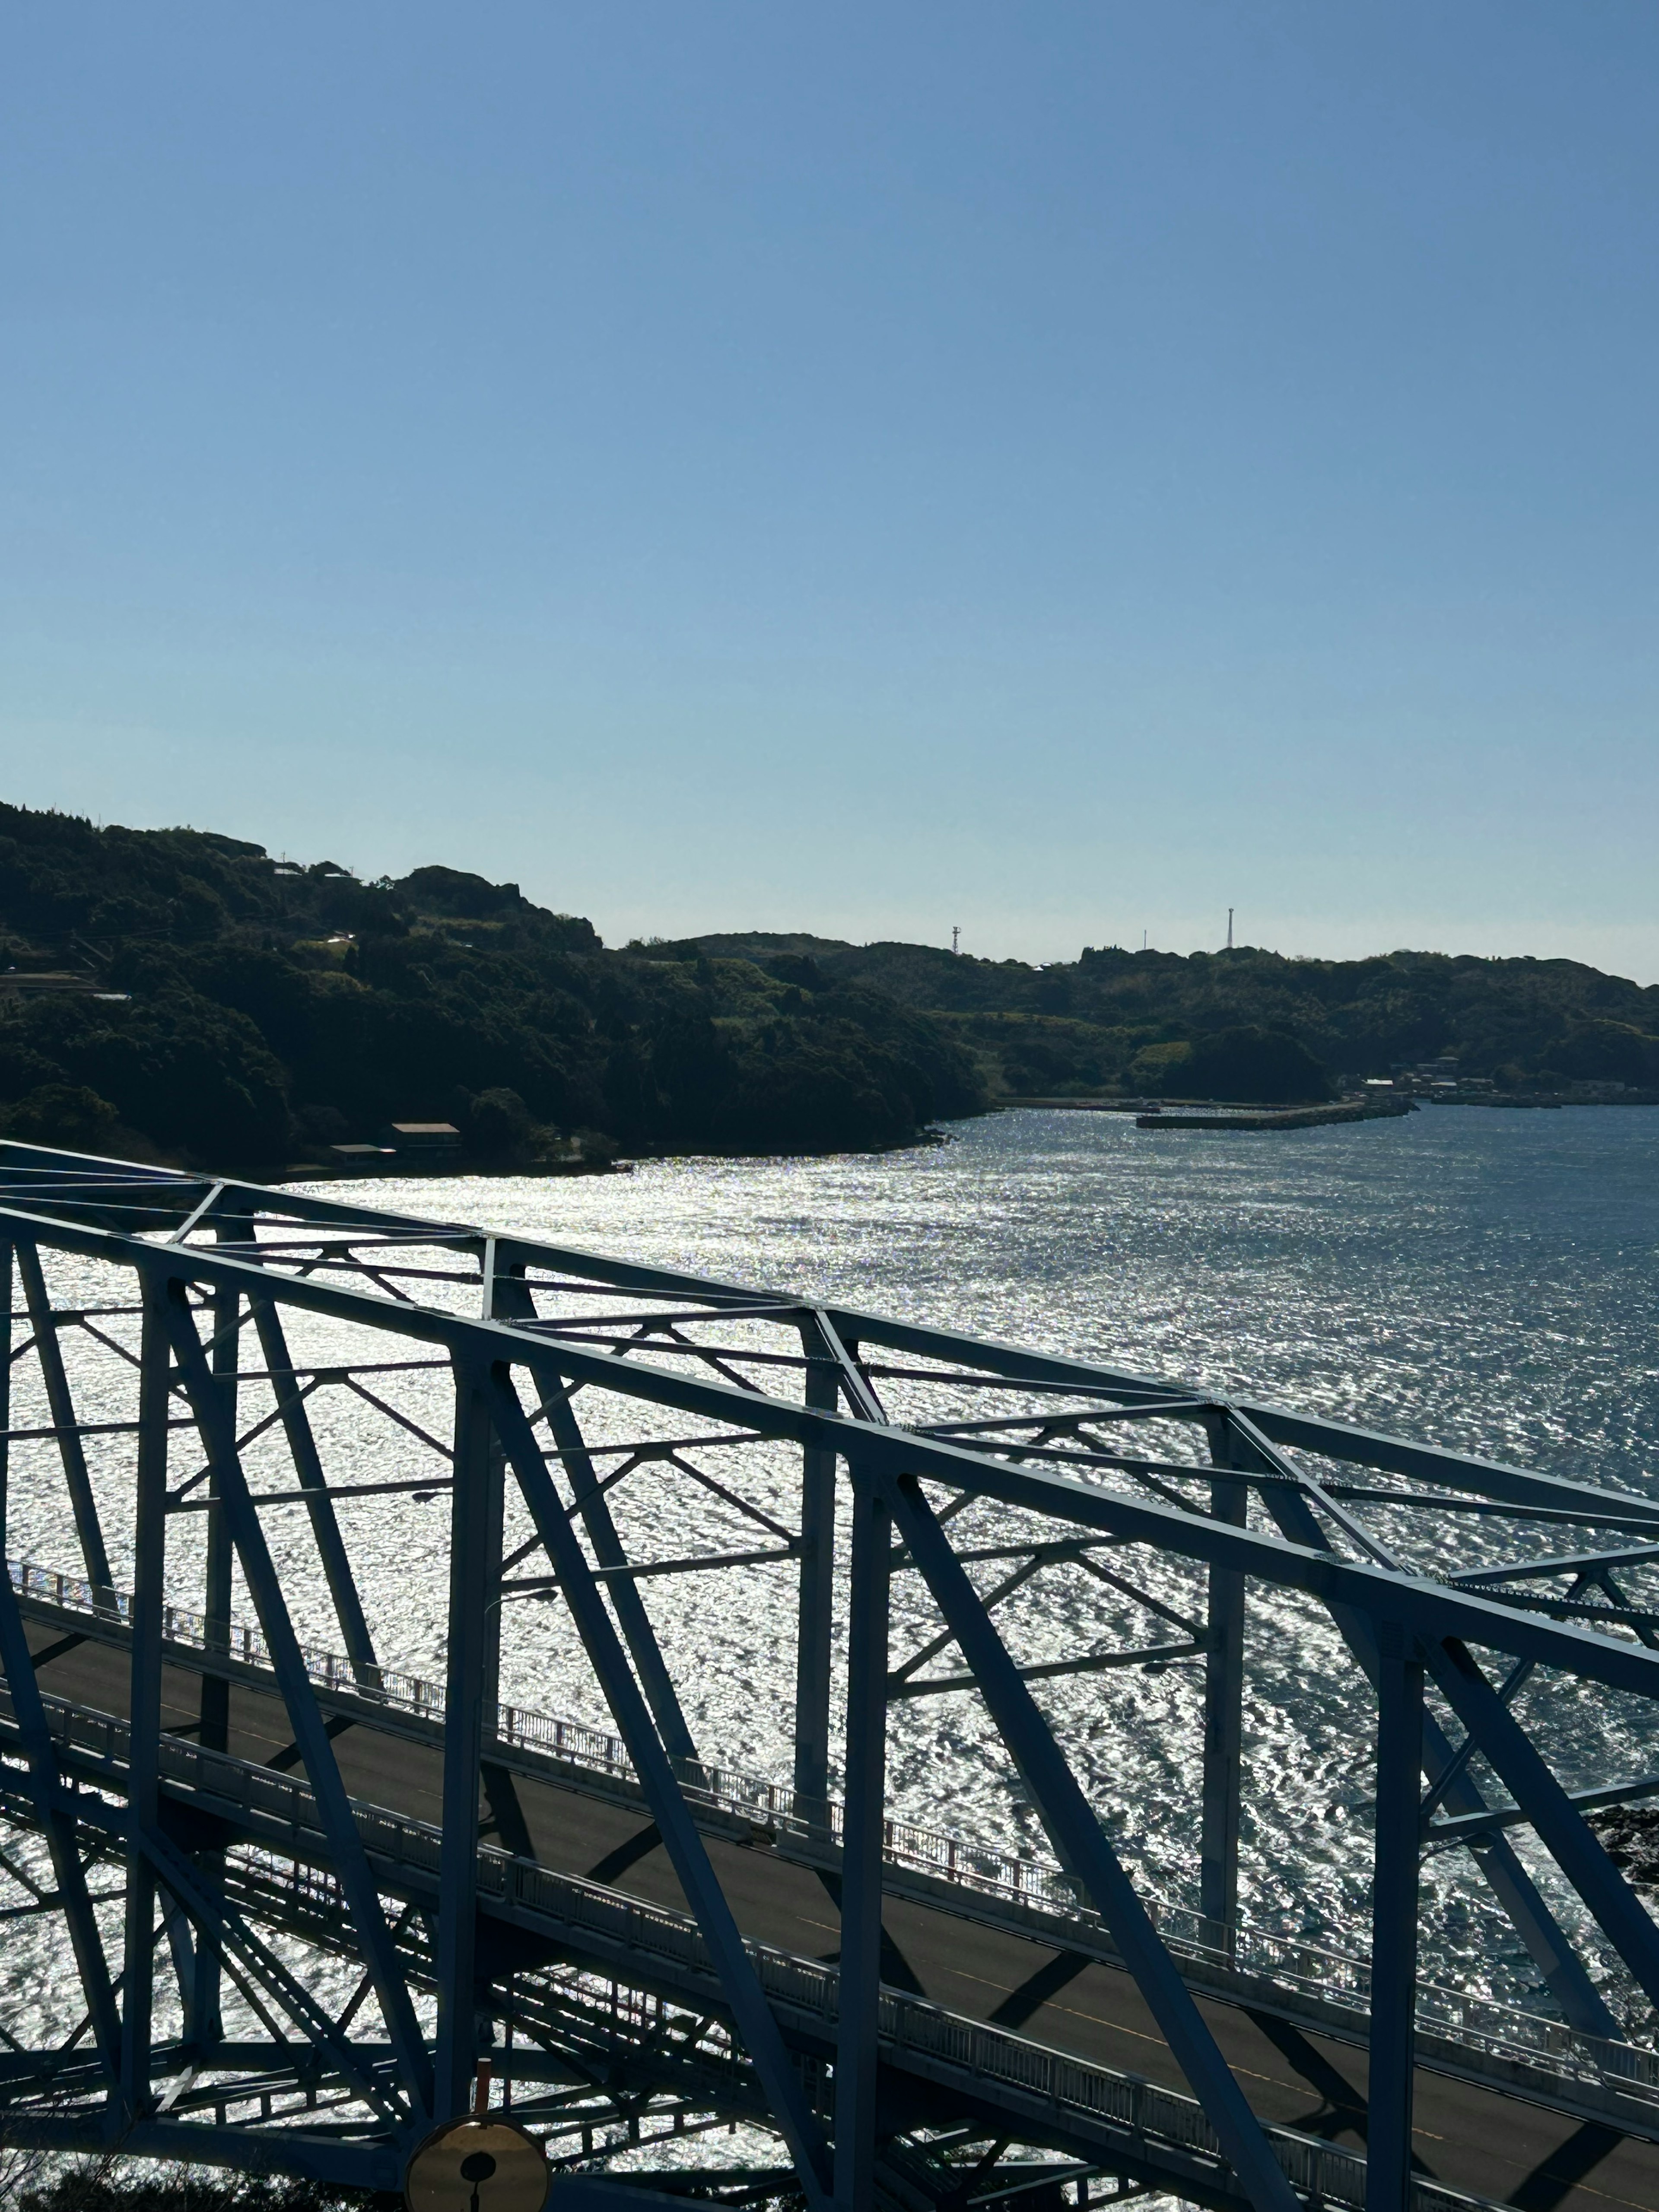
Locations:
column 225, row 1309
column 7, row 1294
column 1224, row 1712
column 223, row 1356
column 490, row 1660
column 815, row 1617
column 1394, row 1924
column 507, row 1298
column 861, row 1856
column 470, row 1590
column 223, row 1353
column 143, row 1797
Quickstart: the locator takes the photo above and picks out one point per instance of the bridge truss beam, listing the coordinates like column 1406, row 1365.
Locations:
column 536, row 1382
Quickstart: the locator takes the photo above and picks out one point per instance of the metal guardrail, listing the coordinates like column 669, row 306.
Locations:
column 1481, row 2025
column 1097, row 2097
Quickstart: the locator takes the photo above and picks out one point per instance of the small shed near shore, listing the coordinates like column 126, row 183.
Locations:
column 422, row 1141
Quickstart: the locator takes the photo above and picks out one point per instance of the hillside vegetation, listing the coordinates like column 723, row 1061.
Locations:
column 250, row 1014
column 215, row 1006
column 1203, row 1024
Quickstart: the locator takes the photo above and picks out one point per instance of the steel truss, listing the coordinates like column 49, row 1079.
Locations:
column 303, row 1977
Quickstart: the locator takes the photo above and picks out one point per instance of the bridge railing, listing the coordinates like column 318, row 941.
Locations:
column 1479, row 2023
column 1064, row 2086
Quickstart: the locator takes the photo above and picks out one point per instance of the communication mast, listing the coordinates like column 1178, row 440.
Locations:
column 955, row 937
column 1229, row 929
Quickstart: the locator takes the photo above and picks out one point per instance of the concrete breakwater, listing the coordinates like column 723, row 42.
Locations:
column 1292, row 1117
column 1212, row 1114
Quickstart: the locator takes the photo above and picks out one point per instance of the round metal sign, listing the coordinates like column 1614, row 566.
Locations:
column 480, row 2165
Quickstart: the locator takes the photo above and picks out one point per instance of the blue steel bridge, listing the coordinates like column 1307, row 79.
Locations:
column 295, row 1891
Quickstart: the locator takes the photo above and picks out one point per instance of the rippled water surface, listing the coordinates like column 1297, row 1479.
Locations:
column 1481, row 1278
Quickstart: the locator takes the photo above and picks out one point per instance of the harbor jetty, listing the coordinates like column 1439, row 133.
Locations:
column 1273, row 1117
column 1215, row 1114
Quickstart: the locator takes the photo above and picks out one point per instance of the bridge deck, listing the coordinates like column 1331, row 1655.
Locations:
column 1466, row 2136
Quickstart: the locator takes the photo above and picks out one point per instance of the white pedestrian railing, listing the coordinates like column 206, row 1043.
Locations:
column 1328, row 1975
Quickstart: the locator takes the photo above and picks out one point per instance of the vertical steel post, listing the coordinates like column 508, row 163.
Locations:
column 506, row 1297
column 143, row 1791
column 1224, row 1711
column 214, row 1734
column 224, row 1308
column 861, row 1854
column 1394, row 1922
column 6, row 1295
column 490, row 1657
column 815, row 1612
column 458, row 1892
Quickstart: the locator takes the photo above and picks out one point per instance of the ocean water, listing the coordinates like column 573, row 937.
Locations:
column 1478, row 1278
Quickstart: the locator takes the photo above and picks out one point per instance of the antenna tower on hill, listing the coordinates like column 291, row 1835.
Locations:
column 1229, row 929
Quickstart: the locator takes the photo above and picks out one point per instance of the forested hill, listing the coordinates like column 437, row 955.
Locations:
column 176, row 993
column 1154, row 1021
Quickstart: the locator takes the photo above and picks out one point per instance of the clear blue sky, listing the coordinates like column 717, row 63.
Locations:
column 1061, row 469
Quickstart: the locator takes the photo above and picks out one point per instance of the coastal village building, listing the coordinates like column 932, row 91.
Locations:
column 423, row 1143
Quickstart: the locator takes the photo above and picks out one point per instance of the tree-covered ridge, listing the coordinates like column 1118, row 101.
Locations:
column 222, row 1006
column 1118, row 1017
